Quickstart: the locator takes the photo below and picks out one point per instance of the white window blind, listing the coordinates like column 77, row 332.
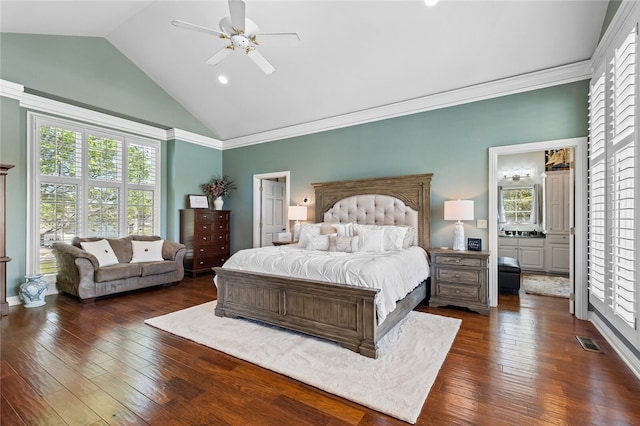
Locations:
column 623, row 179
column 613, row 173
column 597, row 194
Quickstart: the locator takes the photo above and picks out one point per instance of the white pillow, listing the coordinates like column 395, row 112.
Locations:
column 371, row 240
column 102, row 251
column 307, row 231
column 319, row 242
column 147, row 251
column 410, row 237
column 394, row 235
column 344, row 229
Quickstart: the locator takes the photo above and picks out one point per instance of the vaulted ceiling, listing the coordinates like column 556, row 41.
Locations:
column 353, row 56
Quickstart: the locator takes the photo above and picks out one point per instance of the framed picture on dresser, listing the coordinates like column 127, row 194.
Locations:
column 198, row 202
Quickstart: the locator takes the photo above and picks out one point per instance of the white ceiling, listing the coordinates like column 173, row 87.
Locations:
column 353, row 55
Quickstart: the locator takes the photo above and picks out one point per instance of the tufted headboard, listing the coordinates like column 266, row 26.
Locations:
column 401, row 200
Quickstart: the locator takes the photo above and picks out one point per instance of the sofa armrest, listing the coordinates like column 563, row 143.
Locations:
column 170, row 249
column 66, row 253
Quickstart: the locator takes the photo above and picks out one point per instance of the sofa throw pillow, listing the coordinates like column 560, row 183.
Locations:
column 147, row 251
column 102, row 250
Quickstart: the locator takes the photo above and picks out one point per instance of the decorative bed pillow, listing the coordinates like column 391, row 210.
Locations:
column 102, row 250
column 307, row 231
column 147, row 251
column 328, row 228
column 410, row 237
column 393, row 235
column 343, row 243
column 319, row 242
column 371, row 240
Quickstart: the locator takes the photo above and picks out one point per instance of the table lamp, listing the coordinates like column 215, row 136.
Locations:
column 458, row 210
column 297, row 213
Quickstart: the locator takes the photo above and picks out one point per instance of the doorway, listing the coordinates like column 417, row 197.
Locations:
column 270, row 200
column 577, row 232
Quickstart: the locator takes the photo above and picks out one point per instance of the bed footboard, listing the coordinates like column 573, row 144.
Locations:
column 340, row 313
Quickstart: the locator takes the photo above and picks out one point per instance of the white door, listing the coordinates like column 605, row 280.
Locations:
column 273, row 211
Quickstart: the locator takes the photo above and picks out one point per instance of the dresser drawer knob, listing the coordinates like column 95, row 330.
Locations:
column 457, row 260
column 202, row 262
column 222, row 248
column 220, row 226
column 204, row 227
column 457, row 275
column 204, row 238
column 201, row 249
column 457, row 291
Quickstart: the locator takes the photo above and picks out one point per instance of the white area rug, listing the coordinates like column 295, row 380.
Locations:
column 396, row 383
column 546, row 285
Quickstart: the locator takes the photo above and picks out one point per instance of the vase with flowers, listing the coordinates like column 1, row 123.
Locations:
column 218, row 187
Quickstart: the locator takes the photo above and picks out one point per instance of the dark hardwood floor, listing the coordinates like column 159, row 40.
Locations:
column 69, row 363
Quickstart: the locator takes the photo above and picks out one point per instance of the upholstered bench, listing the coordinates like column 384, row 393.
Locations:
column 508, row 275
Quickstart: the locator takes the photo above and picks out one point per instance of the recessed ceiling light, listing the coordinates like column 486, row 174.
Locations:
column 431, row 2
column 223, row 79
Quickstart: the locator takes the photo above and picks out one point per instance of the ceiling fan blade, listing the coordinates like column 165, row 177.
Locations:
column 292, row 36
column 261, row 61
column 219, row 56
column 194, row 27
column 237, row 14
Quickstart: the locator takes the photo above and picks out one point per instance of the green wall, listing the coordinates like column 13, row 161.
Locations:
column 91, row 73
column 191, row 165
column 452, row 143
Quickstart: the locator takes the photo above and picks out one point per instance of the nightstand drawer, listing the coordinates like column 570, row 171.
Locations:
column 458, row 275
column 449, row 259
column 471, row 293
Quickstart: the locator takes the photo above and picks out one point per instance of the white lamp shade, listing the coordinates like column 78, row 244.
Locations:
column 297, row 213
column 458, row 210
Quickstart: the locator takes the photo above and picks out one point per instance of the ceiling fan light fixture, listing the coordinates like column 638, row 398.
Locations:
column 431, row 3
column 223, row 79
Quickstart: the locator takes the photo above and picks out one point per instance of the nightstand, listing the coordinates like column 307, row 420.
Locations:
column 282, row 243
column 459, row 278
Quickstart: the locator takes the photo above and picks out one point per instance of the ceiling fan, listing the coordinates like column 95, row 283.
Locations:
column 241, row 31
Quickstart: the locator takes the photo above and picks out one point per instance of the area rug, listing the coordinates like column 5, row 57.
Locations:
column 546, row 285
column 396, row 383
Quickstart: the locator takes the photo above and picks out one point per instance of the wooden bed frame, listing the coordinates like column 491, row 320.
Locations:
column 341, row 313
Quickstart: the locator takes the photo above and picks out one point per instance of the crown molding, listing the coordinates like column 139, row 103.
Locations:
column 532, row 81
column 11, row 90
column 194, row 138
column 33, row 102
column 527, row 82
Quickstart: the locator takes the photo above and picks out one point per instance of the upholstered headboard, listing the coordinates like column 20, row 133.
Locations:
column 401, row 200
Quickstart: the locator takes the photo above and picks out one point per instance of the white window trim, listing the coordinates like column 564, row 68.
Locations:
column 33, row 180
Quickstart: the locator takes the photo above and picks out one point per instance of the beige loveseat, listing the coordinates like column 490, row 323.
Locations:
column 79, row 272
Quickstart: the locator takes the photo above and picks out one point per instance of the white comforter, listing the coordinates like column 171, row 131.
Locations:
column 395, row 273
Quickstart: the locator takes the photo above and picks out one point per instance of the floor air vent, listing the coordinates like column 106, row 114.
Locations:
column 588, row 344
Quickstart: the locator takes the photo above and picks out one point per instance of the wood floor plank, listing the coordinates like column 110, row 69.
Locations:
column 99, row 363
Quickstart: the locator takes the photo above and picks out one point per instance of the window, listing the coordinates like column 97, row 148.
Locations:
column 91, row 182
column 613, row 173
column 517, row 204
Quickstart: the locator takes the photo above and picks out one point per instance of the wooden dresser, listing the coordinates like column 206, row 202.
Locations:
column 459, row 278
column 206, row 234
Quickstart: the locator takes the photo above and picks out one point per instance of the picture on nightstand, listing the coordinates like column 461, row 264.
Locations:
column 474, row 244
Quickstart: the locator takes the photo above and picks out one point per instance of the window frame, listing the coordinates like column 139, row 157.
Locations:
column 35, row 120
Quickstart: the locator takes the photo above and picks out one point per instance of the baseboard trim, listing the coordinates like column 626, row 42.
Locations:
column 621, row 349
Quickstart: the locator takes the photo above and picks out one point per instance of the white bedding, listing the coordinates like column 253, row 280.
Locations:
column 395, row 273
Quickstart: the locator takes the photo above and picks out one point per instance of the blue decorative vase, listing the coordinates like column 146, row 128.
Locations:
column 33, row 291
